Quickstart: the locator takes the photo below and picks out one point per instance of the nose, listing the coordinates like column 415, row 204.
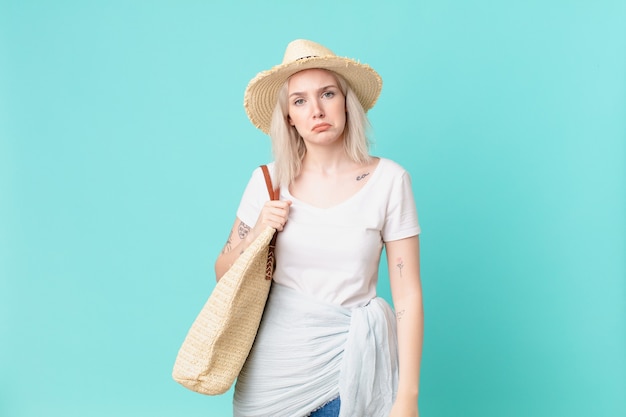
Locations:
column 318, row 110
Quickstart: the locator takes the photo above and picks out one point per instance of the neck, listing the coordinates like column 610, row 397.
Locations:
column 326, row 159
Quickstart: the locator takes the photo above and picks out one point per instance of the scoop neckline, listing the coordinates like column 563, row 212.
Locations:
column 344, row 202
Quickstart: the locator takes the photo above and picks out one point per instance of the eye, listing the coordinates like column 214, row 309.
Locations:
column 298, row 101
column 328, row 94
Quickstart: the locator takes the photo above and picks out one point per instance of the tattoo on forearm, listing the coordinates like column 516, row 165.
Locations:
column 243, row 230
column 229, row 243
column 399, row 314
column 400, row 265
column 360, row 177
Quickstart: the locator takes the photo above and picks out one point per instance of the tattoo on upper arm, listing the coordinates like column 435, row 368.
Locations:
column 360, row 177
column 399, row 314
column 400, row 265
column 243, row 230
column 229, row 243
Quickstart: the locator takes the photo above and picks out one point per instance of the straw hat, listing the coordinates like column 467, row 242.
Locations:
column 262, row 92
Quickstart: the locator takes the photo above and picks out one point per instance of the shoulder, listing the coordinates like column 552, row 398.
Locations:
column 254, row 196
column 391, row 168
column 257, row 187
column 257, row 173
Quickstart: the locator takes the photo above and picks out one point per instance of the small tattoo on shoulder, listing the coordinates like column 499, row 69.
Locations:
column 360, row 177
column 400, row 265
column 399, row 314
column 243, row 230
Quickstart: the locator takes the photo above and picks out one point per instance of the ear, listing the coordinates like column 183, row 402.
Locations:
column 290, row 121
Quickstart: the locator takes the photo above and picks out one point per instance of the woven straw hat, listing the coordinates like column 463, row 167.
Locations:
column 262, row 92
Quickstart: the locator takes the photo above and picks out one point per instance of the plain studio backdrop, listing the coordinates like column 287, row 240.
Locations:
column 124, row 150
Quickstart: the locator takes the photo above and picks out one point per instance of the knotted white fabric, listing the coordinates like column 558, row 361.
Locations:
column 308, row 352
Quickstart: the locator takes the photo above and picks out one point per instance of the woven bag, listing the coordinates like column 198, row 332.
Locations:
column 219, row 341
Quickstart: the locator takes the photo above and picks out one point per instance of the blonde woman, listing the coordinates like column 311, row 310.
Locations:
column 327, row 345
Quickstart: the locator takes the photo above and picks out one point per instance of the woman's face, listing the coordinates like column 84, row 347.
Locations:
column 317, row 107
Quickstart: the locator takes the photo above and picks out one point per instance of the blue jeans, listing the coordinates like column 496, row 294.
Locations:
column 331, row 409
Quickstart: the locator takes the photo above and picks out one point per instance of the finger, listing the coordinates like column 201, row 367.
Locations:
column 278, row 221
column 278, row 203
column 277, row 211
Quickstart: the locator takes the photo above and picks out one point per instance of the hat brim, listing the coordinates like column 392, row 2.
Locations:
column 262, row 92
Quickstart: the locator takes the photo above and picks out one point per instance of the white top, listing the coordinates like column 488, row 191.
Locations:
column 333, row 253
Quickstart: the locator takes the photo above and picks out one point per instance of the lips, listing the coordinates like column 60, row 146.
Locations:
column 320, row 127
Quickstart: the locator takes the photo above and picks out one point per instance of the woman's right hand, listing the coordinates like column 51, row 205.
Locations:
column 274, row 213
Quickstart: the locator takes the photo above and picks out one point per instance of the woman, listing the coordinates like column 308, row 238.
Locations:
column 327, row 346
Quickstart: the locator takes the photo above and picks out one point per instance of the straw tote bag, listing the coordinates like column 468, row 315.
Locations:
column 219, row 341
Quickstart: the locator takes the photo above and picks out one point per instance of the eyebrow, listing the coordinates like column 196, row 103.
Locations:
column 298, row 93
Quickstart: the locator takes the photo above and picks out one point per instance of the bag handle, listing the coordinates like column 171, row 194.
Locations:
column 274, row 195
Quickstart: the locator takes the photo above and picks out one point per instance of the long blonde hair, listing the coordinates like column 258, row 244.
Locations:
column 289, row 148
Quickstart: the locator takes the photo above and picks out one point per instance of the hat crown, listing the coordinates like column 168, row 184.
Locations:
column 302, row 48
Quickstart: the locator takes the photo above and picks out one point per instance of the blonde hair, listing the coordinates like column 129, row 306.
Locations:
column 289, row 148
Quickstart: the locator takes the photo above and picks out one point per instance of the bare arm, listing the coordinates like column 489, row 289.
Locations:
column 406, row 290
column 274, row 213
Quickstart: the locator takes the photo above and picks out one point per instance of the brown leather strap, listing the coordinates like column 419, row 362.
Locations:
column 274, row 195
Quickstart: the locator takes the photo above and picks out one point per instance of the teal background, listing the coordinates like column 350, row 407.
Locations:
column 124, row 149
